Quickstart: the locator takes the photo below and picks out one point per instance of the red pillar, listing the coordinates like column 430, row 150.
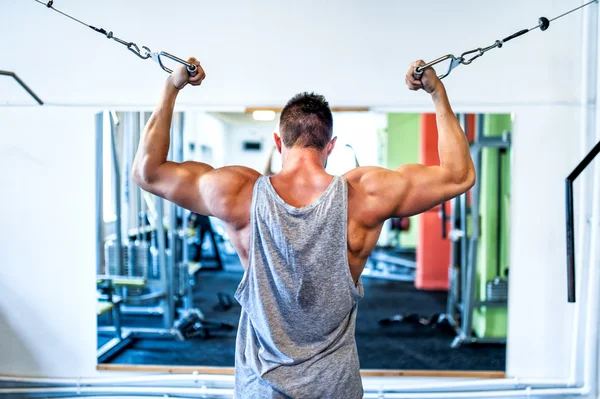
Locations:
column 433, row 251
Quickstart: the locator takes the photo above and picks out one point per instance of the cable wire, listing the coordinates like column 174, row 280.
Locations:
column 50, row 5
column 144, row 53
column 543, row 24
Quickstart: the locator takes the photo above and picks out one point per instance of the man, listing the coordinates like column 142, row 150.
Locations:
column 302, row 235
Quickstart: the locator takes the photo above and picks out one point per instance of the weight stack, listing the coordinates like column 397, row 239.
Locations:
column 130, row 265
column 152, row 267
column 139, row 259
column 110, row 259
column 181, row 278
column 497, row 290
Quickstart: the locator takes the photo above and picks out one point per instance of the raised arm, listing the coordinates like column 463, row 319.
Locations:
column 427, row 186
column 193, row 185
column 415, row 188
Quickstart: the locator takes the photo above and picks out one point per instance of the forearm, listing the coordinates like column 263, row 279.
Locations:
column 453, row 146
column 155, row 141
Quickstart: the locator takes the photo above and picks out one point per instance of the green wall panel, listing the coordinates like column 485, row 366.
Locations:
column 492, row 322
column 403, row 148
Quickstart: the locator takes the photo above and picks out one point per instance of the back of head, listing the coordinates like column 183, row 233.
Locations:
column 306, row 122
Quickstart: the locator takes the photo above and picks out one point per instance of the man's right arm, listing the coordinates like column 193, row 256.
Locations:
column 415, row 188
column 428, row 186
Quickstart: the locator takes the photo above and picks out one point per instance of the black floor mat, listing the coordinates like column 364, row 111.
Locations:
column 398, row 346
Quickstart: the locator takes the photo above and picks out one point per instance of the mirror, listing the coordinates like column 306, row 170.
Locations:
column 435, row 287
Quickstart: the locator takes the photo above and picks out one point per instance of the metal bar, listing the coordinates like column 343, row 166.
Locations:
column 189, row 296
column 497, row 142
column 584, row 163
column 141, row 204
column 23, row 85
column 121, row 392
column 571, row 297
column 444, row 217
column 140, row 280
column 454, row 245
column 129, row 129
column 499, row 198
column 386, row 275
column 142, row 310
column 456, row 282
column 141, row 332
column 133, row 139
column 117, row 187
column 393, row 260
column 112, row 347
column 463, row 240
column 450, row 303
column 174, row 258
column 462, row 205
column 468, row 296
column 570, row 224
column 139, row 299
column 116, row 314
column 99, row 192
column 192, row 69
column 162, row 264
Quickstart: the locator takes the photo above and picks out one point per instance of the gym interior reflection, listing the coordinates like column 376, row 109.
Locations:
column 435, row 288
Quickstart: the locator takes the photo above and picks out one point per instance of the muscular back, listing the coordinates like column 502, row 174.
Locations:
column 369, row 205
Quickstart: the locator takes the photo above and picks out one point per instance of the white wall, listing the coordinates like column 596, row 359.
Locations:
column 360, row 131
column 354, row 52
column 356, row 129
column 203, row 129
column 540, row 323
column 47, row 269
column 236, row 135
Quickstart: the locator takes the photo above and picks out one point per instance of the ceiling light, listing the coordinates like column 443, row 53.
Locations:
column 263, row 115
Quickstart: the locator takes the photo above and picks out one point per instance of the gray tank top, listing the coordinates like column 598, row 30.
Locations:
column 296, row 331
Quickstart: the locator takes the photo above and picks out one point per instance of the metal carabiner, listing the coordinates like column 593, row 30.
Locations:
column 465, row 61
column 454, row 62
column 157, row 57
column 480, row 51
column 135, row 49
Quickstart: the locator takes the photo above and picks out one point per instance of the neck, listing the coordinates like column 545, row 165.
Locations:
column 302, row 159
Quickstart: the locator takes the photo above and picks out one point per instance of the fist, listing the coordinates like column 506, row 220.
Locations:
column 181, row 77
column 426, row 79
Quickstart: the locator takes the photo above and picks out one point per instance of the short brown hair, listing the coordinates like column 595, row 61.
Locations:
column 306, row 121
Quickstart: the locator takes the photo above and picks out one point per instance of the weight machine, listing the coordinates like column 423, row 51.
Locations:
column 142, row 262
column 465, row 233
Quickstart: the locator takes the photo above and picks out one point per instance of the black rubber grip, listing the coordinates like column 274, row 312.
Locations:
column 109, row 35
column 519, row 33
